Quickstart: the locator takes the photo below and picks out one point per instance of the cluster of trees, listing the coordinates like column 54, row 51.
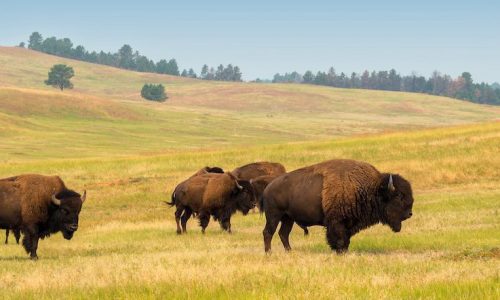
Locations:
column 125, row 58
column 153, row 92
column 461, row 87
column 228, row 73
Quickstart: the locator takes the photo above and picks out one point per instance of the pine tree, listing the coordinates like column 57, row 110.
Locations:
column 59, row 77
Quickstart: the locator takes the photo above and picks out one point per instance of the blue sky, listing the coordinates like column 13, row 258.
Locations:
column 266, row 37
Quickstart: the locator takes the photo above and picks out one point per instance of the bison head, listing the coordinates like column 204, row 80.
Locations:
column 244, row 196
column 397, row 200
column 67, row 205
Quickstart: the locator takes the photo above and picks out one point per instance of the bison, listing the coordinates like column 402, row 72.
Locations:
column 211, row 194
column 201, row 171
column 345, row 196
column 257, row 169
column 40, row 206
column 17, row 235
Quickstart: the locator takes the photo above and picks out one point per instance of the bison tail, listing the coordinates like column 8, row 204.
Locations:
column 173, row 200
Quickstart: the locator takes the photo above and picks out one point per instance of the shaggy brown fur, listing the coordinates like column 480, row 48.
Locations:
column 345, row 196
column 219, row 195
column 256, row 169
column 26, row 203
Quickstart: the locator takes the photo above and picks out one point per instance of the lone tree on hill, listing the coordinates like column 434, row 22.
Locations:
column 59, row 76
column 154, row 92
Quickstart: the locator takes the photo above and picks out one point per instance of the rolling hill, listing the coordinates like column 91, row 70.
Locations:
column 104, row 115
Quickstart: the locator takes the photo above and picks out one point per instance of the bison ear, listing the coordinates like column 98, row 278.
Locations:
column 84, row 196
column 55, row 200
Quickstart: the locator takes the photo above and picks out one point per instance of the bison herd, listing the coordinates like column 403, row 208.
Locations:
column 344, row 196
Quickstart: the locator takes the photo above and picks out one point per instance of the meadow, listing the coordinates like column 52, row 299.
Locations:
column 126, row 246
column 129, row 155
column 105, row 116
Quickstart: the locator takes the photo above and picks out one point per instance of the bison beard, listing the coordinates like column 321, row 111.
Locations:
column 345, row 196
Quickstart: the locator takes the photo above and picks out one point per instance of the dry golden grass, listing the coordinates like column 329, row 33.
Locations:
column 126, row 246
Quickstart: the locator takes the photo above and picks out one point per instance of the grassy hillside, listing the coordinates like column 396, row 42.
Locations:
column 104, row 115
column 126, row 246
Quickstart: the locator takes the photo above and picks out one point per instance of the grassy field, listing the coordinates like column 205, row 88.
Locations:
column 127, row 247
column 129, row 154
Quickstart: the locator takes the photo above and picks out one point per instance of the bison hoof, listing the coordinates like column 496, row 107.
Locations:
column 34, row 258
column 179, row 232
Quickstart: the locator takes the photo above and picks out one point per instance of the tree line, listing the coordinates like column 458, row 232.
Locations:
column 126, row 58
column 461, row 87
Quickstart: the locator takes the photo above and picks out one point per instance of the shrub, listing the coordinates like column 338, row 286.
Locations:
column 153, row 92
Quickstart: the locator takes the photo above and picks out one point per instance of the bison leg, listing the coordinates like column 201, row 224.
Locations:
column 6, row 236
column 285, row 229
column 204, row 220
column 30, row 241
column 226, row 225
column 178, row 214
column 271, row 224
column 34, row 247
column 185, row 217
column 17, row 235
column 337, row 237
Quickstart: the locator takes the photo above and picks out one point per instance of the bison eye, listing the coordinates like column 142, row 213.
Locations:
column 64, row 211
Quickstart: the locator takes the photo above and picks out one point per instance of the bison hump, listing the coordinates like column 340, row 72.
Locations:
column 347, row 185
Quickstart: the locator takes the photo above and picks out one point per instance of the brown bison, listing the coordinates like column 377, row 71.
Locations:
column 345, row 196
column 256, row 169
column 17, row 235
column 211, row 194
column 201, row 171
column 40, row 206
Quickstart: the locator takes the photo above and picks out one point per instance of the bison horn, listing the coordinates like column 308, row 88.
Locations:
column 55, row 200
column 238, row 185
column 390, row 186
column 84, row 196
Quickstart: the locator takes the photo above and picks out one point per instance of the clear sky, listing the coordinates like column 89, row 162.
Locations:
column 266, row 37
